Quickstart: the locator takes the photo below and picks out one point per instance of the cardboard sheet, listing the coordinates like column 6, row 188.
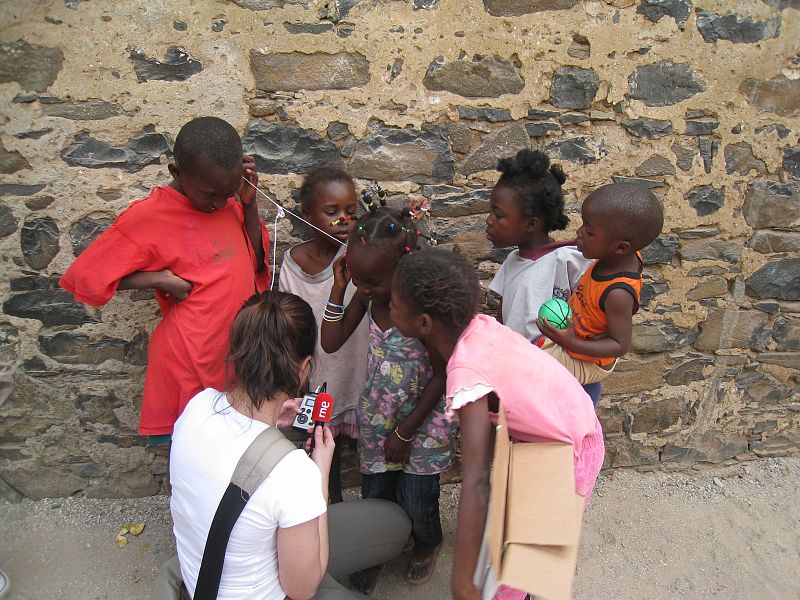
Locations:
column 535, row 516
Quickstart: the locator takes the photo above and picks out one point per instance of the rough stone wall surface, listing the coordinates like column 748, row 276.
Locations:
column 697, row 99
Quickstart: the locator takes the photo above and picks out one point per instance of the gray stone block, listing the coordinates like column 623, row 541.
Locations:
column 573, row 87
column 736, row 28
column 739, row 158
column 89, row 110
column 664, row 83
column 750, row 329
column 504, row 142
column 771, row 204
column 778, row 95
column 791, row 162
column 655, row 10
column 145, row 149
column 8, row 224
column 581, row 150
column 705, row 199
column 85, row 231
column 482, row 77
column 473, row 202
column 32, row 67
column 481, row 113
column 287, row 148
column 648, row 128
column 11, row 161
column 295, row 71
column 655, row 166
column 660, row 336
column 778, row 279
column 768, row 242
column 712, row 249
column 178, row 65
column 40, row 298
column 515, row 8
column 393, row 154
column 39, row 241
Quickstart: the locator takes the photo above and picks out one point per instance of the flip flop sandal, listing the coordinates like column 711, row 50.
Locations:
column 415, row 565
column 375, row 573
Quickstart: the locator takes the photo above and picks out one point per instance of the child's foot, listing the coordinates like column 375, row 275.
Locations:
column 420, row 567
column 367, row 580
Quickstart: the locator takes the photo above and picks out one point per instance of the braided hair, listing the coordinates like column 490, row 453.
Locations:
column 537, row 185
column 387, row 228
column 441, row 284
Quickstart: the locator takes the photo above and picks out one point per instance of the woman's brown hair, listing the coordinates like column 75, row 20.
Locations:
column 271, row 336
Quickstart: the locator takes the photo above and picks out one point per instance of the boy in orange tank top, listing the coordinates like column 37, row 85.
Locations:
column 618, row 221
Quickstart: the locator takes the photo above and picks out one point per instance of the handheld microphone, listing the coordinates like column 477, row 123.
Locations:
column 323, row 411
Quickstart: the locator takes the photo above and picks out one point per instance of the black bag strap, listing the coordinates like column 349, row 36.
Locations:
column 258, row 460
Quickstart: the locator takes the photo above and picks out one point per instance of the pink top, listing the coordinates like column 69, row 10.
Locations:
column 542, row 400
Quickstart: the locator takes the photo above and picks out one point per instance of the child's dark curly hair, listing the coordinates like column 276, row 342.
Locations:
column 442, row 284
column 537, row 185
column 387, row 227
column 317, row 177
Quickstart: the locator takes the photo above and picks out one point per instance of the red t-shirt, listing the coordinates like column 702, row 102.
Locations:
column 212, row 251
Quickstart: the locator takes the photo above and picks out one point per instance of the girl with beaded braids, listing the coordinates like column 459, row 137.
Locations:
column 527, row 204
column 404, row 436
column 435, row 297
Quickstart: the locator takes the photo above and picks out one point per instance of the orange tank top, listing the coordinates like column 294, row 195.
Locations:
column 588, row 303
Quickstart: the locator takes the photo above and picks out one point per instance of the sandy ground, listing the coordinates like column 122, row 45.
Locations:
column 731, row 532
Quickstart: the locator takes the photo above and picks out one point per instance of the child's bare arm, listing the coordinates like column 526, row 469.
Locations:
column 474, row 502
column 333, row 334
column 499, row 315
column 396, row 449
column 252, row 223
column 165, row 281
column 619, row 310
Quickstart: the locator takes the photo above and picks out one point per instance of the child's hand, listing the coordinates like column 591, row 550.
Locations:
column 247, row 193
column 396, row 450
column 173, row 286
column 562, row 337
column 341, row 274
column 419, row 207
column 289, row 410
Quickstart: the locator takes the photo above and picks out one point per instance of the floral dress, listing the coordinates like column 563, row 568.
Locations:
column 398, row 370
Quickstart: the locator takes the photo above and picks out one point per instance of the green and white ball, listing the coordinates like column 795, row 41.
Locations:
column 556, row 312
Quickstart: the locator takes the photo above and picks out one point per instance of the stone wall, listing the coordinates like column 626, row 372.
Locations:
column 696, row 99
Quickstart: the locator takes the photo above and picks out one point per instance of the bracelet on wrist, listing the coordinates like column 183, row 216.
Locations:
column 335, row 305
column 402, row 439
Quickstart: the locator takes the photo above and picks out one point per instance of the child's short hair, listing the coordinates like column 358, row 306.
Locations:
column 387, row 227
column 630, row 212
column 537, row 185
column 207, row 141
column 440, row 283
column 317, row 177
column 271, row 336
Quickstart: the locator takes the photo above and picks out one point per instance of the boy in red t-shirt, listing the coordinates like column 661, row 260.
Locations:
column 202, row 252
column 618, row 221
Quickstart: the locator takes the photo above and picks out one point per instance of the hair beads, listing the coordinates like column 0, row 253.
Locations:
column 369, row 201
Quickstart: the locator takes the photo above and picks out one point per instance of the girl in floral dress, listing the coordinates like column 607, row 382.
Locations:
column 404, row 434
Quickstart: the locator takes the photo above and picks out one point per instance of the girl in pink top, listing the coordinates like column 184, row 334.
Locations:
column 435, row 297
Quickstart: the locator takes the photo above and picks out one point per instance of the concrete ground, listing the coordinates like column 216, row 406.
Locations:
column 728, row 532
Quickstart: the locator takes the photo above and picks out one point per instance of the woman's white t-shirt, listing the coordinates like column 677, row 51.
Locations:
column 208, row 440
